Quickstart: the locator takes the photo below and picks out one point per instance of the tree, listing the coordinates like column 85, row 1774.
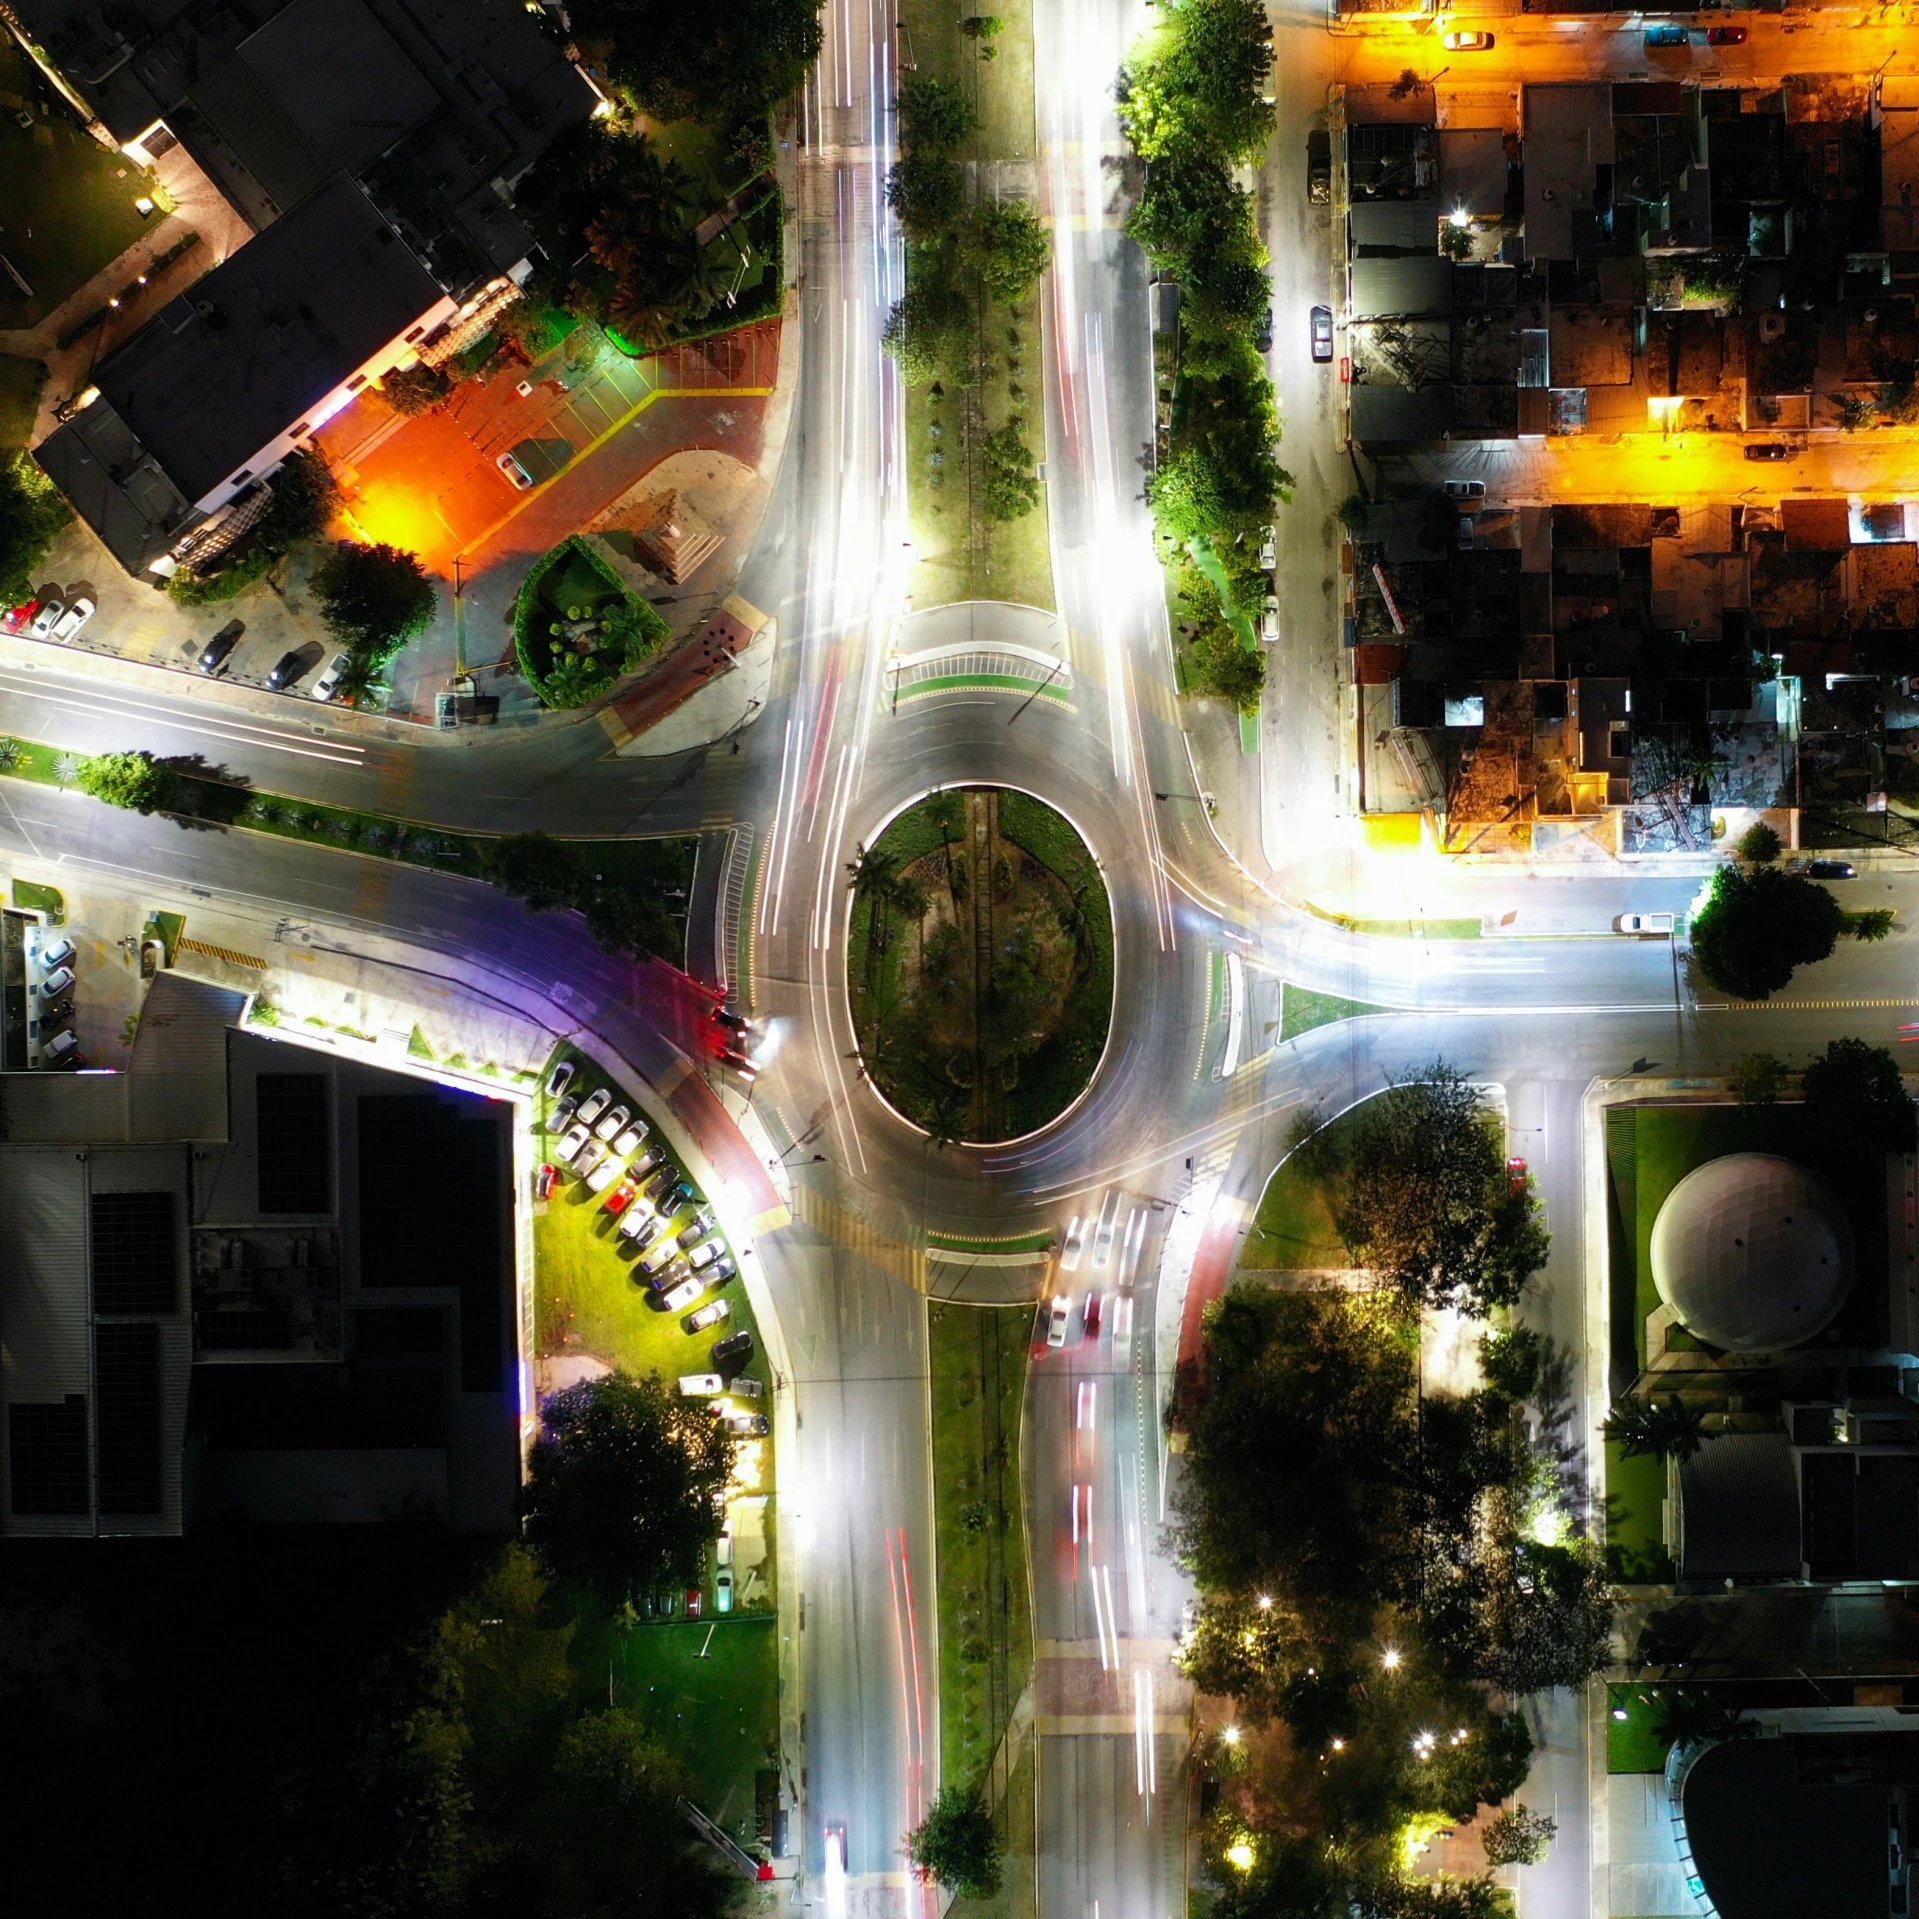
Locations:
column 374, row 598
column 1759, row 844
column 1519, row 1837
column 1758, row 924
column 538, row 869
column 1223, row 669
column 1429, row 1205
column 1202, row 82
column 1856, row 1099
column 1006, row 243
column 414, row 390
column 305, row 498
column 935, row 115
column 1512, row 1361
column 680, row 60
column 1872, row 925
column 1655, row 1428
column 1440, row 1897
column 1758, row 1080
column 1456, row 239
column 136, row 781
column 1546, row 1616
column 31, row 515
column 872, row 873
column 956, row 1843
column 624, row 1484
column 1009, row 486
column 929, row 331
column 928, row 192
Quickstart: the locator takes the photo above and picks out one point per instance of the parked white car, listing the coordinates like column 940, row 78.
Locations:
column 72, row 620
column 569, row 1147
column 702, row 1385
column 328, row 684
column 684, row 1294
column 1650, row 926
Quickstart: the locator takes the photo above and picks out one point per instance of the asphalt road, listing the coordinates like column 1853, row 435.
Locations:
column 1542, row 1007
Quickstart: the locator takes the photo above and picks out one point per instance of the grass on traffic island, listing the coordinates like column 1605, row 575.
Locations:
column 976, row 1357
column 1294, row 1229
column 1302, row 1010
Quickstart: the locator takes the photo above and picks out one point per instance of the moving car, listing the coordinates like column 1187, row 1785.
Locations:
column 1089, row 1319
column 1056, row 1320
column 56, row 982
column 1465, row 489
column 560, row 1078
column 1322, row 319
column 596, row 1103
column 709, row 1315
column 1074, row 1247
column 701, row 1385
column 1645, row 925
column 1667, row 33
column 1516, row 1175
column 289, row 670
column 1319, row 167
column 324, row 689
column 1769, row 450
column 1815, row 870
column 1725, row 36
column 734, row 1346
column 517, row 475
column 72, row 620
column 569, row 1147
column 218, row 650
column 45, row 619
column 1472, row 42
column 684, row 1294
column 612, row 1123
column 732, row 1021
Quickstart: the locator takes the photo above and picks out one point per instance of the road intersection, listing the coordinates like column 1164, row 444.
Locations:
column 1177, row 1147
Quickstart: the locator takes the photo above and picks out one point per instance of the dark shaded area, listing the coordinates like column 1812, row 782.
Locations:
column 293, row 1143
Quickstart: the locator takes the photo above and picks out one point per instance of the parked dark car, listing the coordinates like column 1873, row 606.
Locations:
column 1769, row 450
column 1831, row 870
column 734, row 1347
column 289, row 671
column 1264, row 338
column 1725, row 36
column 1319, row 167
column 218, row 650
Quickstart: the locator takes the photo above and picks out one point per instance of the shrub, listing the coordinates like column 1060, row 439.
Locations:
column 1010, row 488
column 630, row 628
column 414, row 390
column 1759, row 844
column 188, row 588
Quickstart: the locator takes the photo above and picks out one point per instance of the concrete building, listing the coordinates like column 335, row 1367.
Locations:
column 247, row 1276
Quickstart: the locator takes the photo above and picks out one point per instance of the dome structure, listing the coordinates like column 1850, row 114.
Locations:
column 1753, row 1252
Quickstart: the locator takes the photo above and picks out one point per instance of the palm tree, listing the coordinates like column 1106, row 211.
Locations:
column 1668, row 1429
column 360, row 682
column 872, row 872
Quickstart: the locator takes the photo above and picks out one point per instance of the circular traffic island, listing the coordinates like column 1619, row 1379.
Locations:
column 980, row 964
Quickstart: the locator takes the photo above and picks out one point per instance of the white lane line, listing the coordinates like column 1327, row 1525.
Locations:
column 232, row 732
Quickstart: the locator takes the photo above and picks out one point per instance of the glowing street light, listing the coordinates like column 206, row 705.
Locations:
column 1390, row 1658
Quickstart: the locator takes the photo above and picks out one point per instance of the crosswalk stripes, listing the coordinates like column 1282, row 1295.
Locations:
column 846, row 1229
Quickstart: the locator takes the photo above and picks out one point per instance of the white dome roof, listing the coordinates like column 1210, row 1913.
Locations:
column 1753, row 1252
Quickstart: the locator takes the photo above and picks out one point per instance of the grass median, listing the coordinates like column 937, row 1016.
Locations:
column 977, row 1356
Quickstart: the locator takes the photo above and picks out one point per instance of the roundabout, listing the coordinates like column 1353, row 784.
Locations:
column 979, row 964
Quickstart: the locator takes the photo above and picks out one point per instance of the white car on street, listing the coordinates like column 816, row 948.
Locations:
column 72, row 620
column 1647, row 926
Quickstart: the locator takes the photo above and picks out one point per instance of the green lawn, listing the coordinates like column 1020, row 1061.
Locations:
column 1633, row 1744
column 977, row 1358
column 68, row 208
column 1302, row 1009
column 711, row 1688
column 20, row 384
column 1635, row 1538
column 1294, row 1230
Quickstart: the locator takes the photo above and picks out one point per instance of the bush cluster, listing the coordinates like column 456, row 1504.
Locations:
column 625, row 629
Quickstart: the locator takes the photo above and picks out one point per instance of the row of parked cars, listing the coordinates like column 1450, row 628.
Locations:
column 661, row 1217
column 51, row 618
column 53, row 1002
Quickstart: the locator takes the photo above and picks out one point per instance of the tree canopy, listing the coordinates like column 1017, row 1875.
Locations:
column 956, row 1844
column 1428, row 1203
column 1200, row 81
column 1006, row 243
column 136, row 781
column 1758, row 925
column 636, row 911
column 680, row 60
column 624, row 1485
column 31, row 515
column 374, row 598
column 1856, row 1098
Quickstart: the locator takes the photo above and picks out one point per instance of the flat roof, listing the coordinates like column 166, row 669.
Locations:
column 234, row 362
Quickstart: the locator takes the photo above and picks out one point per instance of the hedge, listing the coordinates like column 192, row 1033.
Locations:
column 533, row 645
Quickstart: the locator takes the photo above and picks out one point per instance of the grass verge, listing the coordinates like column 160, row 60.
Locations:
column 977, row 1361
column 1633, row 1744
column 1294, row 1229
column 1635, row 1533
column 1301, row 1010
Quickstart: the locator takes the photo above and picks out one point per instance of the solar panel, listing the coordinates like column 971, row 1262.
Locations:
column 47, row 1454
column 292, row 1143
column 126, row 1377
column 135, row 1253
